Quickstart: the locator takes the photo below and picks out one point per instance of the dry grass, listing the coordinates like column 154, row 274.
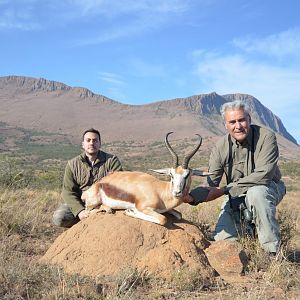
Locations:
column 276, row 278
column 26, row 233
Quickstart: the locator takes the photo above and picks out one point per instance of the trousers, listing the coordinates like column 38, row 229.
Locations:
column 63, row 217
column 261, row 200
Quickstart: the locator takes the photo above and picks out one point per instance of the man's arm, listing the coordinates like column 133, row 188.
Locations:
column 71, row 192
column 216, row 167
column 205, row 194
column 115, row 164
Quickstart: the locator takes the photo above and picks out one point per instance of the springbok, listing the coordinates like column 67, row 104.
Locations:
column 142, row 195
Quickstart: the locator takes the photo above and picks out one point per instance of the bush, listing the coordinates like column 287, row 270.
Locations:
column 15, row 174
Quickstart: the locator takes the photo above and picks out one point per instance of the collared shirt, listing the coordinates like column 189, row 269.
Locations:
column 80, row 174
column 254, row 162
column 239, row 160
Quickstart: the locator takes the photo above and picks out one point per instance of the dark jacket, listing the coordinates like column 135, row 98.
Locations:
column 80, row 175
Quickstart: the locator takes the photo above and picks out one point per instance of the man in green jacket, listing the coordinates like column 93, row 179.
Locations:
column 80, row 173
column 248, row 157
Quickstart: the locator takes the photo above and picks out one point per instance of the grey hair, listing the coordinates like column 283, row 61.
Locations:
column 237, row 104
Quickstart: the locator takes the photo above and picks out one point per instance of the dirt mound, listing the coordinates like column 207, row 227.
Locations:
column 105, row 244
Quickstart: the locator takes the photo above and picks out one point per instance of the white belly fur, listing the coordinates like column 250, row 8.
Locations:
column 115, row 204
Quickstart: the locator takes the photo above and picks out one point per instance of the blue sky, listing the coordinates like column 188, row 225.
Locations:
column 141, row 51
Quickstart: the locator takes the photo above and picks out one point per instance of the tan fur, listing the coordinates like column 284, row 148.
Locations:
column 148, row 195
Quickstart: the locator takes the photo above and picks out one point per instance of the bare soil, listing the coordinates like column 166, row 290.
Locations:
column 107, row 244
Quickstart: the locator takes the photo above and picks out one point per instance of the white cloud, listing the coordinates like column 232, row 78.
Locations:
column 127, row 29
column 132, row 17
column 111, row 19
column 15, row 17
column 281, row 44
column 115, row 8
column 113, row 85
column 142, row 68
column 275, row 82
column 111, row 78
column 275, row 86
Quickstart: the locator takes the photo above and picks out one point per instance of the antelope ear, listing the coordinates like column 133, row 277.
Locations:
column 166, row 171
column 200, row 173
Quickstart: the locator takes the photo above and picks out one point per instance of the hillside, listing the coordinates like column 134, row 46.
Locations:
column 53, row 107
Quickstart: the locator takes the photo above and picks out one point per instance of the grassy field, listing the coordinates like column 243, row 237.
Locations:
column 30, row 185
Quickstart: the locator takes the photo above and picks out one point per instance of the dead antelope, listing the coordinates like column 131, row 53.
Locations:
column 142, row 195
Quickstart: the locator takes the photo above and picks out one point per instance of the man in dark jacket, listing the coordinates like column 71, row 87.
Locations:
column 80, row 173
column 248, row 157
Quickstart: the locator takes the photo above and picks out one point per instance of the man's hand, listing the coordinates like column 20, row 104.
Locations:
column 83, row 215
column 198, row 195
column 214, row 193
column 188, row 198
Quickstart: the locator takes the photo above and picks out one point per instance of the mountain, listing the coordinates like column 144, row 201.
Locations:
column 40, row 104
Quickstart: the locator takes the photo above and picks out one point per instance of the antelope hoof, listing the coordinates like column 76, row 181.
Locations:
column 95, row 211
column 176, row 214
column 107, row 209
column 129, row 212
column 110, row 211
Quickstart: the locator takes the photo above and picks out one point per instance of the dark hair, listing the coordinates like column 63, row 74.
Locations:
column 91, row 130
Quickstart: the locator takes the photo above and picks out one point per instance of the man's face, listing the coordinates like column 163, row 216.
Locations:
column 91, row 143
column 237, row 123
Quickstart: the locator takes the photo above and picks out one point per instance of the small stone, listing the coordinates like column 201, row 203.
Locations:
column 228, row 258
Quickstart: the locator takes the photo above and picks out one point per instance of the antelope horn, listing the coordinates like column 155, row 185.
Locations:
column 174, row 155
column 187, row 158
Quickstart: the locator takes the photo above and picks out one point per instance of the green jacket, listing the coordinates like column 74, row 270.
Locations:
column 80, row 175
column 254, row 162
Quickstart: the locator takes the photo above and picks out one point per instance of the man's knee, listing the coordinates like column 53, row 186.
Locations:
column 63, row 217
column 226, row 229
column 261, row 198
column 57, row 218
column 256, row 193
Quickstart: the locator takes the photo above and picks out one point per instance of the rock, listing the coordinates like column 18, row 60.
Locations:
column 229, row 259
column 105, row 245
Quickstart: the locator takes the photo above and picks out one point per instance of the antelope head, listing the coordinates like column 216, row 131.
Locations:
column 181, row 174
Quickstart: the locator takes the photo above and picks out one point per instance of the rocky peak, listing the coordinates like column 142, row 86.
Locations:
column 206, row 105
column 33, row 84
column 23, row 84
column 83, row 92
column 198, row 111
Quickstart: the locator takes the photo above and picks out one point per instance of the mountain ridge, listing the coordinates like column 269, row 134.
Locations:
column 41, row 104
